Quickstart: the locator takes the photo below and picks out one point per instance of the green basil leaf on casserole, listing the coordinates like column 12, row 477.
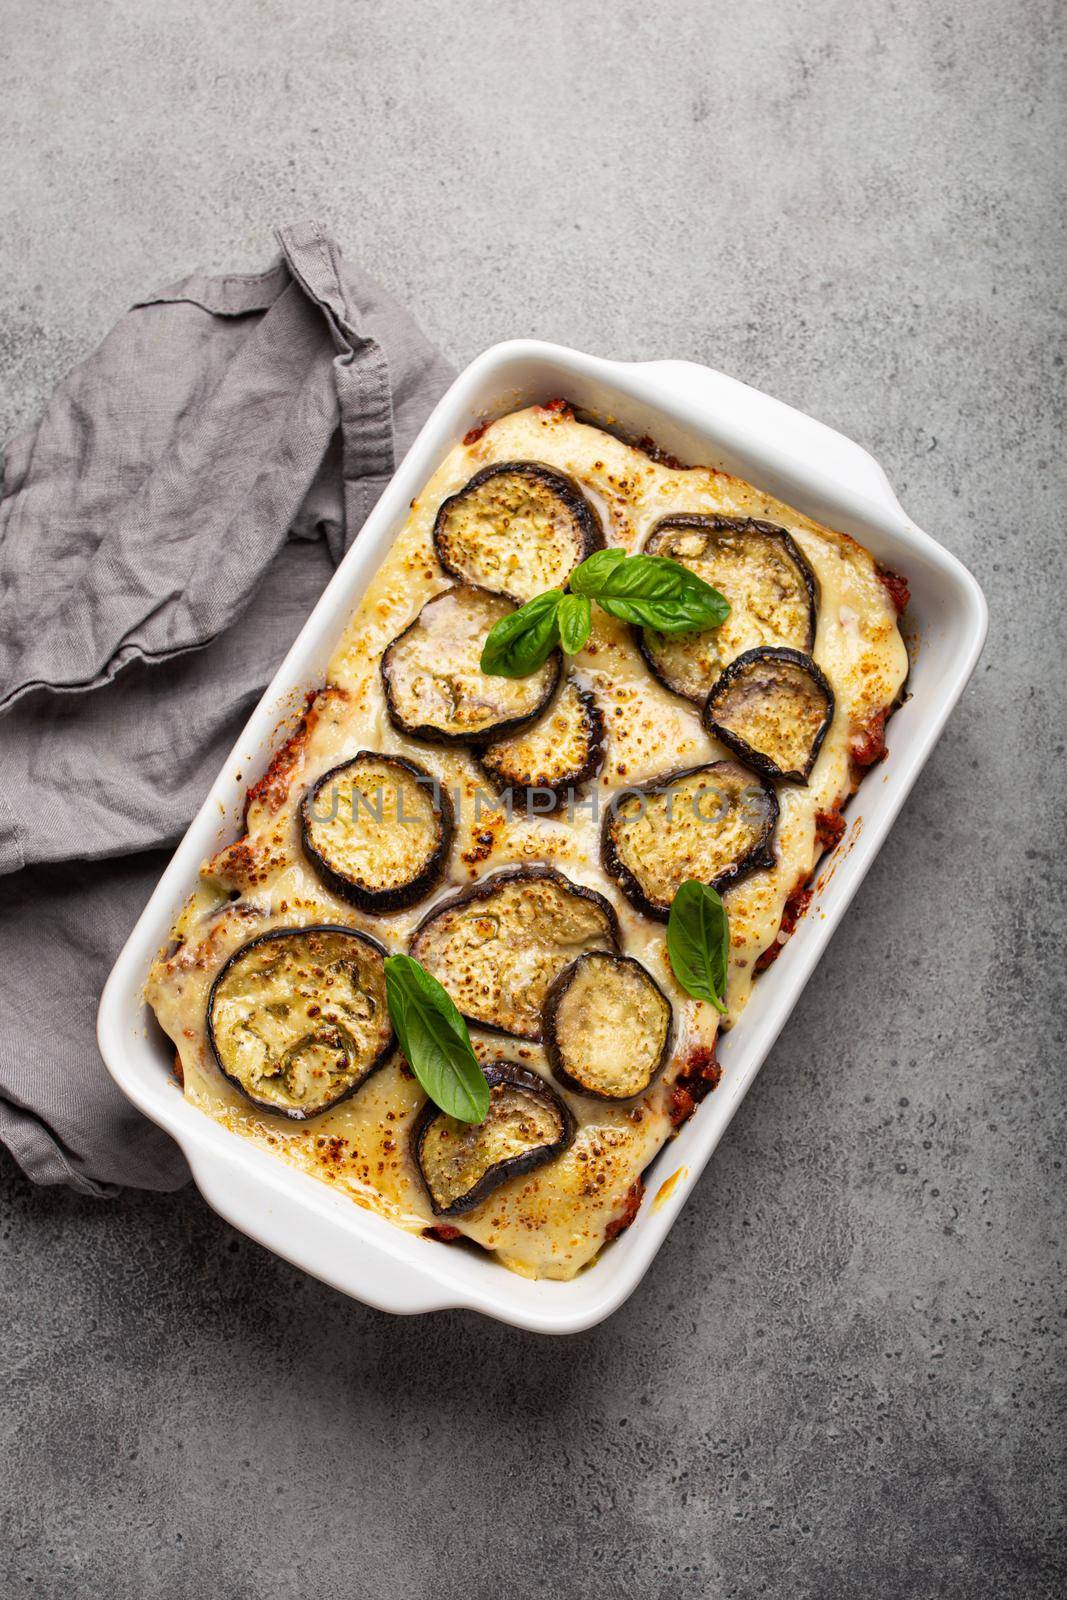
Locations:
column 698, row 942
column 434, row 1039
column 575, row 622
column 592, row 573
column 650, row 591
column 522, row 642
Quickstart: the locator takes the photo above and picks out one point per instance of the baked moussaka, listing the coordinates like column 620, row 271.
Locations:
column 472, row 852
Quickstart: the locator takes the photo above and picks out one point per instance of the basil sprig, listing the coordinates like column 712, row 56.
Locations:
column 435, row 1041
column 649, row 591
column 698, row 942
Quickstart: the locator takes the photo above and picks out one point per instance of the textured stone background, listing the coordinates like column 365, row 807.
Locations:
column 840, row 1376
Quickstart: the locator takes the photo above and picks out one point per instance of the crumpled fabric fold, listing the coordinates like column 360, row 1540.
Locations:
column 164, row 531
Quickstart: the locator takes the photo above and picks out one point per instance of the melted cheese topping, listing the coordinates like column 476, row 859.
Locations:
column 375, row 825
column 552, row 1222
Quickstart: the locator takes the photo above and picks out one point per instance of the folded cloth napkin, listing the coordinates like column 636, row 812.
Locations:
column 164, row 531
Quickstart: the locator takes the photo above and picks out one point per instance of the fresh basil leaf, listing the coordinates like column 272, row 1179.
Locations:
column 651, row 592
column 575, row 622
column 590, row 575
column 435, row 1041
column 698, row 942
column 523, row 640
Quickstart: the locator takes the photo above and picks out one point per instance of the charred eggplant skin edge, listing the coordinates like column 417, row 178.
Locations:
column 761, row 855
column 497, row 1072
column 589, row 527
column 425, row 731
column 404, row 895
column 574, row 780
column 265, row 938
column 485, row 890
column 715, row 522
column 553, row 999
column 743, row 751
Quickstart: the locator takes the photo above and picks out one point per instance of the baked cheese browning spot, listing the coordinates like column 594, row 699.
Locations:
column 434, row 685
column 378, row 830
column 518, row 528
column 608, row 1027
column 462, row 1163
column 763, row 574
column 556, row 754
column 773, row 709
column 297, row 1018
column 497, row 947
column 714, row 823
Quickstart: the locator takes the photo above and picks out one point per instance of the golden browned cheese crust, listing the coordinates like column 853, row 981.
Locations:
column 551, row 1222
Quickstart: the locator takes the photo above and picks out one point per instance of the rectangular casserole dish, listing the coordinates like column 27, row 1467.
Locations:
column 700, row 416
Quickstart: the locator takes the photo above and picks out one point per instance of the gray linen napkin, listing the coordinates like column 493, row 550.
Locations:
column 164, row 531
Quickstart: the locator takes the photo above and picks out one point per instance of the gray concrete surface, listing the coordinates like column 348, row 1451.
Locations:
column 840, row 1377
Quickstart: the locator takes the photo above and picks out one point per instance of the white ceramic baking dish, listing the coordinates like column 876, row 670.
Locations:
column 700, row 416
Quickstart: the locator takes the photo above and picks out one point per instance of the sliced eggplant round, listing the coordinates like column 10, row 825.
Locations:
column 554, row 755
column 517, row 528
column 297, row 1018
column 435, row 688
column 378, row 830
column 773, row 709
column 713, row 823
column 607, row 1026
column 461, row 1163
column 497, row 947
column 761, row 571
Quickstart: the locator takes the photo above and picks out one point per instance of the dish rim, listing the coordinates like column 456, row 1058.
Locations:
column 356, row 1250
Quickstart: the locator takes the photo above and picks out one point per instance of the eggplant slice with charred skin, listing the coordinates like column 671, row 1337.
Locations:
column 517, row 528
column 461, row 1163
column 434, row 685
column 297, row 1018
column 714, row 823
column 378, row 830
column 762, row 572
column 554, row 755
column 772, row 708
column 608, row 1027
column 497, row 947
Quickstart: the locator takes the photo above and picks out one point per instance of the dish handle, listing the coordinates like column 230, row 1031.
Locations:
column 312, row 1238
column 804, row 441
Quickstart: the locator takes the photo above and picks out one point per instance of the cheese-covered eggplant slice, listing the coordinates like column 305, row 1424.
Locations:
column 772, row 708
column 517, row 528
column 713, row 823
column 497, row 947
column 377, row 829
column 608, row 1027
column 297, row 1018
column 554, row 755
column 461, row 1163
column 434, row 685
column 761, row 571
